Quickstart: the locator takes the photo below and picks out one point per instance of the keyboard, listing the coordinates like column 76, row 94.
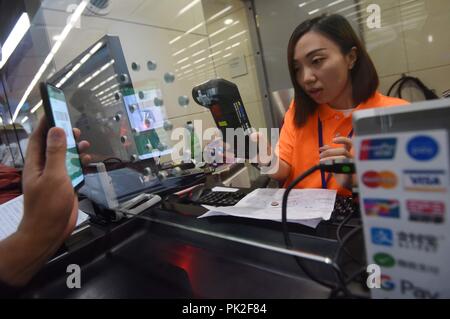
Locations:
column 209, row 197
column 343, row 206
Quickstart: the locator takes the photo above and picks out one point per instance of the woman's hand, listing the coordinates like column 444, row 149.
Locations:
column 217, row 151
column 329, row 153
column 262, row 158
column 332, row 153
column 268, row 159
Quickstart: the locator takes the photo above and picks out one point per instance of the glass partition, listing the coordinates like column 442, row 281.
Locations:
column 128, row 68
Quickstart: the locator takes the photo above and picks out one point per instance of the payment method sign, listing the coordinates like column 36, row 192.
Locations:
column 404, row 195
column 382, row 208
column 378, row 149
column 424, row 180
column 426, row 211
column 384, row 179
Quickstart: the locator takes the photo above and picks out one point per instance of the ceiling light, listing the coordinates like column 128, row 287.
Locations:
column 14, row 38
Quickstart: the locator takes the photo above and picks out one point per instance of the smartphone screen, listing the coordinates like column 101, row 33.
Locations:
column 59, row 117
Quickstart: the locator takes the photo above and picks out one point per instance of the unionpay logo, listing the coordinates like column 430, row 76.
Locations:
column 387, row 283
column 384, row 260
column 382, row 236
column 384, row 179
column 425, row 180
column 378, row 149
column 422, row 148
column 426, row 211
column 389, row 208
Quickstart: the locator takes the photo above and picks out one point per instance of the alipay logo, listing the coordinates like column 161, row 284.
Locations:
column 422, row 148
column 382, row 237
column 378, row 149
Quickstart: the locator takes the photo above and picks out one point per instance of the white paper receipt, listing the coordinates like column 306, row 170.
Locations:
column 304, row 206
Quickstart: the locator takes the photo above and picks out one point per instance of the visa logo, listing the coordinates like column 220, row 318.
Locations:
column 425, row 181
column 378, row 149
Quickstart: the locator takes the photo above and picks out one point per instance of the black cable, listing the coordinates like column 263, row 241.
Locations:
column 339, row 239
column 356, row 274
column 335, row 293
column 287, row 239
column 344, row 283
column 338, row 166
column 339, row 228
column 344, row 241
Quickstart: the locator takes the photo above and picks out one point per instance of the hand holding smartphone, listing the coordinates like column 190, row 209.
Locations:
column 57, row 113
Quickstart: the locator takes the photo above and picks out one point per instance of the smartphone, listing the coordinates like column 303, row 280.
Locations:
column 57, row 113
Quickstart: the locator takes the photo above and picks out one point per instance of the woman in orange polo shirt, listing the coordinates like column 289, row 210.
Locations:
column 333, row 76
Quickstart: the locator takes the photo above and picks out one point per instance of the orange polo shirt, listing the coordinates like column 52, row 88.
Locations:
column 299, row 146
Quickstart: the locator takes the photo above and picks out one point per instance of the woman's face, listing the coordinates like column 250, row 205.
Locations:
column 321, row 69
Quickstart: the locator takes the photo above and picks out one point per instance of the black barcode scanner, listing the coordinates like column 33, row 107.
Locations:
column 222, row 98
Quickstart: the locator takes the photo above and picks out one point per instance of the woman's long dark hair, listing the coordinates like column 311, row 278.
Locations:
column 364, row 76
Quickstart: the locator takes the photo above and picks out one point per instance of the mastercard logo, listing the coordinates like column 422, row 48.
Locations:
column 383, row 179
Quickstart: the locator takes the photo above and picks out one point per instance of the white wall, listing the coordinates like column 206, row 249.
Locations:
column 413, row 40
